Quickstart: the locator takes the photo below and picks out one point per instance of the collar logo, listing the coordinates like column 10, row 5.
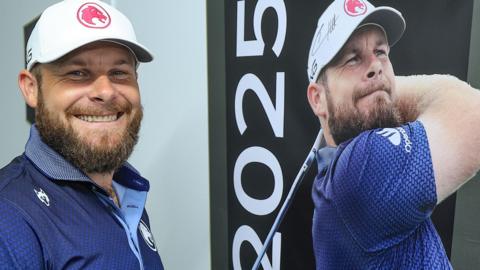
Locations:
column 355, row 7
column 42, row 196
column 147, row 235
column 92, row 15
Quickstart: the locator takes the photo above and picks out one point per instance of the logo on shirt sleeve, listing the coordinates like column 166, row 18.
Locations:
column 42, row 196
column 147, row 235
column 394, row 135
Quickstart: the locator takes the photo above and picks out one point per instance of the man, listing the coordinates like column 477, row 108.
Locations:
column 71, row 201
column 402, row 145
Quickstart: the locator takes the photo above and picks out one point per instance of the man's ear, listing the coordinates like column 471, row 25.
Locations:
column 29, row 87
column 317, row 99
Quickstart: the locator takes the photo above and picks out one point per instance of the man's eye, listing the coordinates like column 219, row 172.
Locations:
column 119, row 74
column 352, row 60
column 77, row 74
column 380, row 52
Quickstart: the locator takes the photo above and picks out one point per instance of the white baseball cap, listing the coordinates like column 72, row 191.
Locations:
column 337, row 24
column 71, row 24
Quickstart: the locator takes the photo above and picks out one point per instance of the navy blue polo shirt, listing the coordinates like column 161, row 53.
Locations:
column 373, row 204
column 52, row 216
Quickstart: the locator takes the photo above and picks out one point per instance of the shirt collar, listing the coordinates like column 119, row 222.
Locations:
column 54, row 166
column 324, row 157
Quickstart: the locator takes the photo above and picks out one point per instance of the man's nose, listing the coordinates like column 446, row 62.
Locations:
column 375, row 68
column 103, row 90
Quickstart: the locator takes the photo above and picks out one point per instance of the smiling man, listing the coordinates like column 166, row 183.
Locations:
column 398, row 145
column 71, row 201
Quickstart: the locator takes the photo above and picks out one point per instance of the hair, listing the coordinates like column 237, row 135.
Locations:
column 322, row 77
column 37, row 73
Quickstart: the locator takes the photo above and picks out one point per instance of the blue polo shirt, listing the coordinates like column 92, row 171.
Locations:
column 52, row 216
column 373, row 204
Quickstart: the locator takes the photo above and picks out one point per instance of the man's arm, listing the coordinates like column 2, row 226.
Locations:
column 450, row 112
column 19, row 246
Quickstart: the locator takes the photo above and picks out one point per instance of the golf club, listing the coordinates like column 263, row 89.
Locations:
column 296, row 184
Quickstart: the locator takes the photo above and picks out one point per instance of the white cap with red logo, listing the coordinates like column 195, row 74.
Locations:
column 71, row 24
column 337, row 24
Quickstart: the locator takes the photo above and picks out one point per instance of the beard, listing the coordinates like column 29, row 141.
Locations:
column 106, row 156
column 347, row 122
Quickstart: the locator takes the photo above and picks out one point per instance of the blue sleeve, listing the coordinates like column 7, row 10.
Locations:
column 19, row 245
column 384, row 185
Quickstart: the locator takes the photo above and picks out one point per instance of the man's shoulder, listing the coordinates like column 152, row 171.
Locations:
column 20, row 180
column 13, row 172
column 377, row 159
column 372, row 177
column 383, row 141
column 19, row 241
column 13, row 185
column 382, row 153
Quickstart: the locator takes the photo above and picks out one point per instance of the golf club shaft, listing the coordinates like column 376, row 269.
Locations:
column 296, row 184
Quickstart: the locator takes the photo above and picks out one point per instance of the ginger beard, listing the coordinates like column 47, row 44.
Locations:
column 105, row 156
column 346, row 121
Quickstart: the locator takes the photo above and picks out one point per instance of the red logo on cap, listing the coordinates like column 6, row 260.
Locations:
column 355, row 7
column 93, row 15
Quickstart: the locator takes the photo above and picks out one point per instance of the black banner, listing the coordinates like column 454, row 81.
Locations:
column 270, row 127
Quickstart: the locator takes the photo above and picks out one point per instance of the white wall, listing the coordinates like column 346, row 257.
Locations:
column 13, row 123
column 173, row 148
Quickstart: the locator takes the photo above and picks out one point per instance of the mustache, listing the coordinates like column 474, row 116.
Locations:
column 101, row 109
column 369, row 89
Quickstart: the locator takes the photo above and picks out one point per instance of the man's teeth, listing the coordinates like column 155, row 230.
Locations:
column 94, row 118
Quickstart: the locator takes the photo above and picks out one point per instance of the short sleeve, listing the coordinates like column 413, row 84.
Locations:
column 19, row 245
column 384, row 185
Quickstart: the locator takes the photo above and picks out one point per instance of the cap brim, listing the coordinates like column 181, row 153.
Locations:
column 141, row 53
column 390, row 19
